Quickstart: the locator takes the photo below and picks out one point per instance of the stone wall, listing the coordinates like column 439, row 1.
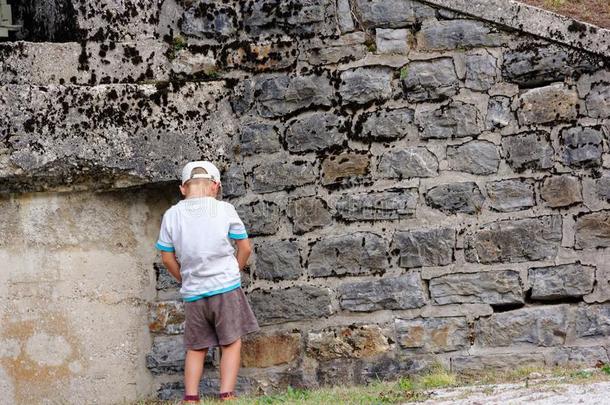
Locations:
column 421, row 185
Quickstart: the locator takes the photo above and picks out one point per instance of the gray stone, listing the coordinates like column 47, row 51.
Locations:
column 602, row 188
column 391, row 13
column 274, row 175
column 481, row 71
column 429, row 80
column 351, row 254
column 510, row 195
column 308, row 213
column 260, row 217
column 552, row 103
column 393, row 41
column 495, row 287
column 499, row 114
column 331, row 371
column 593, row 230
column 256, row 138
column 530, row 150
column 433, row 334
column 415, row 161
column 476, row 157
column 233, row 182
column 540, row 326
column 346, row 48
column 381, row 205
column 456, row 34
column 344, row 16
column 593, row 321
column 556, row 282
column 314, row 132
column 402, row 292
column 425, row 247
column 453, row 120
column 278, row 260
column 354, row 341
column 297, row 17
column 363, row 85
column 598, row 101
column 384, row 125
column 456, row 198
column 344, row 168
column 165, row 281
column 207, row 19
column 582, row 146
column 291, row 304
column 532, row 66
column 478, row 364
column 208, row 388
column 167, row 355
column 513, row 241
column 282, row 95
column 561, row 191
column 588, row 356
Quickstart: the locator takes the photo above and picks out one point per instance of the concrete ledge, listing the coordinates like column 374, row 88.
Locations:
column 533, row 20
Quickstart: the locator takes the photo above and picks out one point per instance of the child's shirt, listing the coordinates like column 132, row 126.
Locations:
column 198, row 231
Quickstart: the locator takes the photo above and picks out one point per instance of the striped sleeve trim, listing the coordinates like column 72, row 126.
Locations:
column 165, row 248
column 238, row 235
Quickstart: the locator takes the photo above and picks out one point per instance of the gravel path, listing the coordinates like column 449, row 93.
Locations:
column 539, row 393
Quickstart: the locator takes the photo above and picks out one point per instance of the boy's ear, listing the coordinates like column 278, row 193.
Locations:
column 182, row 190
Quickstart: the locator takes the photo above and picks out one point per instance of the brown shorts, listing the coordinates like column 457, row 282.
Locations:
column 218, row 320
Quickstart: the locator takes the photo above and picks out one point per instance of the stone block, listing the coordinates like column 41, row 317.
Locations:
column 260, row 217
column 456, row 198
column 364, row 85
column 561, row 191
column 355, row 341
column 540, row 326
column 479, row 364
column 408, row 162
column 233, row 182
column 514, row 241
column 351, row 254
column 167, row 355
column 530, row 150
column 208, row 388
column 425, row 247
column 402, row 292
column 453, row 120
column 166, row 317
column 279, row 260
column 376, row 206
column 553, row 103
column 587, row 356
column 582, row 146
column 481, row 71
column 259, row 137
column 429, row 80
column 314, row 132
column 266, row 350
column 396, row 41
column 533, row 66
column 296, row 303
column 557, row 282
column 283, row 95
column 330, row 51
column 433, row 334
column 165, row 281
column 385, row 125
column 206, row 19
column 496, row 287
column 391, row 13
column 598, row 101
column 593, row 230
column 308, row 213
column 476, row 157
column 499, row 113
column 344, row 16
column 345, row 167
column 593, row 321
column 602, row 188
column 274, row 175
column 510, row 195
column 456, row 34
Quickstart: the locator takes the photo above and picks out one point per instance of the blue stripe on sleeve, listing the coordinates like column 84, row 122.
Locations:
column 238, row 235
column 164, row 248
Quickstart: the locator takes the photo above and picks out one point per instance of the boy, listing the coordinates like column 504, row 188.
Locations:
column 195, row 248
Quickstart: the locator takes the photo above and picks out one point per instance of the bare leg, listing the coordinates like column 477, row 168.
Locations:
column 193, row 370
column 229, row 366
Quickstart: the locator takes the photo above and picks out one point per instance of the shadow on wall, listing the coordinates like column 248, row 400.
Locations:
column 44, row 21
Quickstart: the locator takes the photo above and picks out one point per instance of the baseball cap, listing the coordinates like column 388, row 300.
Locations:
column 212, row 171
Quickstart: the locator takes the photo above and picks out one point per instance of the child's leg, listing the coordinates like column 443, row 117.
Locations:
column 229, row 365
column 193, row 370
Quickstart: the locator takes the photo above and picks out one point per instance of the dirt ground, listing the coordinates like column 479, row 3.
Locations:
column 596, row 12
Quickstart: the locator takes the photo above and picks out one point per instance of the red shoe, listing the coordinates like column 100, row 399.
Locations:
column 227, row 396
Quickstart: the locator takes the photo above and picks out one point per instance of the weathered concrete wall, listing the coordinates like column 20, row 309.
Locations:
column 421, row 186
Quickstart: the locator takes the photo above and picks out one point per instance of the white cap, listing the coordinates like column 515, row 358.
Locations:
column 212, row 171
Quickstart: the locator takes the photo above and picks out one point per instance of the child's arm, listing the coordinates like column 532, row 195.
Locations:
column 172, row 265
column 244, row 249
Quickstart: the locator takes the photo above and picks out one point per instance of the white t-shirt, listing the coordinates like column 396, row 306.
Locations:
column 198, row 231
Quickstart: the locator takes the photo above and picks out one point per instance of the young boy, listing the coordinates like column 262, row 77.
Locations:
column 195, row 247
